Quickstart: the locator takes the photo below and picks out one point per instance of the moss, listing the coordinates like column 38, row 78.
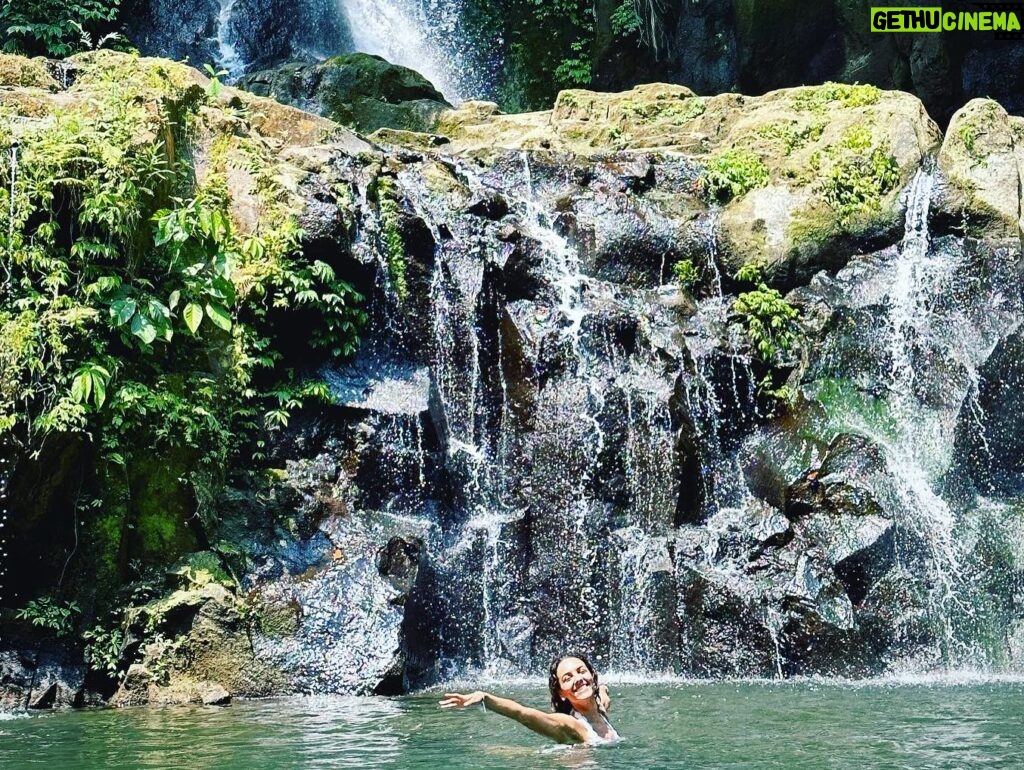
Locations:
column 201, row 568
column 17, row 71
column 821, row 99
column 673, row 110
column 791, row 134
column 848, row 408
column 161, row 506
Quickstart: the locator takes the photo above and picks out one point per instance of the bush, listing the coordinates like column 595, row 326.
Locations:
column 47, row 612
column 733, row 173
column 860, row 176
column 135, row 315
column 55, row 28
column 767, row 317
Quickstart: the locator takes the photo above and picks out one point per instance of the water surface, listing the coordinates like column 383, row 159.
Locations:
column 885, row 724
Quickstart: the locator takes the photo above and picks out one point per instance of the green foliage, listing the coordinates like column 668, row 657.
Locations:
column 625, row 20
column 134, row 313
column 828, row 96
column 47, row 612
column 394, row 246
column 686, row 274
column 54, row 28
column 549, row 45
column 104, row 648
column 769, row 320
column 859, row 177
column 732, row 173
column 214, row 87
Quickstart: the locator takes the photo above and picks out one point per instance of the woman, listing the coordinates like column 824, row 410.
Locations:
column 580, row 704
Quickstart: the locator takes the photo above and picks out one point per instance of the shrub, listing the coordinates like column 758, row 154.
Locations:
column 47, row 612
column 733, row 173
column 767, row 317
column 54, row 28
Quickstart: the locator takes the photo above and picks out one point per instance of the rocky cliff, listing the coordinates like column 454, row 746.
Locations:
column 713, row 385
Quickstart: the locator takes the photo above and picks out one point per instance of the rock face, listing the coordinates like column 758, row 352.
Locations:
column 543, row 423
column 806, row 175
column 718, row 46
column 255, row 32
column 357, row 90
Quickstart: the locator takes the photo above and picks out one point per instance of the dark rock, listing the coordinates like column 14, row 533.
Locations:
column 492, row 206
column 398, row 561
column 845, row 484
column 991, row 439
column 358, row 90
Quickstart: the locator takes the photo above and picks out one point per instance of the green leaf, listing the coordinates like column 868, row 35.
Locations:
column 193, row 315
column 144, row 329
column 219, row 315
column 122, row 310
column 172, row 301
column 81, row 387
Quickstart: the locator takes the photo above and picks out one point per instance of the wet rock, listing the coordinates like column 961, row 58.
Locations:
column 358, row 90
column 992, row 439
column 213, row 694
column 59, row 682
column 845, row 484
column 398, row 561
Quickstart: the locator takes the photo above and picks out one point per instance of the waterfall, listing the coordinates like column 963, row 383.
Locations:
column 589, row 481
column 417, row 34
column 228, row 58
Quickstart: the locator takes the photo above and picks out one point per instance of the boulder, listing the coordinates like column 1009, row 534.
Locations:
column 982, row 158
column 805, row 175
column 358, row 90
column 19, row 72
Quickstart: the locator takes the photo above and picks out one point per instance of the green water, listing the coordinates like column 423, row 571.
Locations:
column 721, row 725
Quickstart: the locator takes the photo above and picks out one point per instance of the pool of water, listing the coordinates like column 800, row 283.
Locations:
column 944, row 723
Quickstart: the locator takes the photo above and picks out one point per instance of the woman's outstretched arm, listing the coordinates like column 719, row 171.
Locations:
column 559, row 727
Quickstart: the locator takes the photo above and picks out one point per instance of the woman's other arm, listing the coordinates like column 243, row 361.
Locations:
column 603, row 697
column 559, row 727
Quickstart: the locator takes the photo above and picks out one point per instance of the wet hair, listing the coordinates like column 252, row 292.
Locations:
column 558, row 703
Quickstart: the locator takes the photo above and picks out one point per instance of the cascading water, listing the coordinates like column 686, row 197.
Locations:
column 603, row 473
column 416, row 34
column 228, row 59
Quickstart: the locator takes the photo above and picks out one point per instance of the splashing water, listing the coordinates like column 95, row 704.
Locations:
column 417, row 35
column 228, row 58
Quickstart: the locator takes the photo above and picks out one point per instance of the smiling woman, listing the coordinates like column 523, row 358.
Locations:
column 580, row 704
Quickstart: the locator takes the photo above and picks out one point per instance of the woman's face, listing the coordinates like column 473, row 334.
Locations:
column 576, row 681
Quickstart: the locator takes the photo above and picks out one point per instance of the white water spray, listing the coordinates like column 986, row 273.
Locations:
column 403, row 32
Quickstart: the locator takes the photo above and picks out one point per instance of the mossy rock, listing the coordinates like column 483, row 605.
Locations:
column 805, row 175
column 982, row 158
column 358, row 90
column 19, row 72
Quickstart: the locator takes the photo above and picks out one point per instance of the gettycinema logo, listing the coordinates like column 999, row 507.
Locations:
column 1002, row 19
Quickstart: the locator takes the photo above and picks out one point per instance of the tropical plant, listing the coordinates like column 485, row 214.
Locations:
column 47, row 612
column 769, row 320
column 53, row 27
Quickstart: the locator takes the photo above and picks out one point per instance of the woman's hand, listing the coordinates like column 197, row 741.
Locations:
column 603, row 698
column 458, row 700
